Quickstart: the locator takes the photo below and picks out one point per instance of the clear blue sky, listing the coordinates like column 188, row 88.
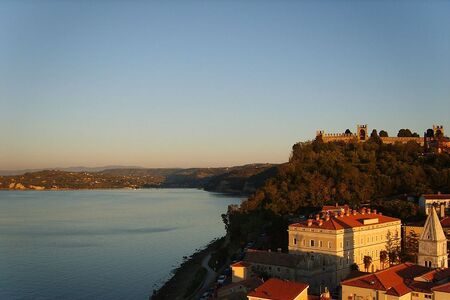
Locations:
column 212, row 83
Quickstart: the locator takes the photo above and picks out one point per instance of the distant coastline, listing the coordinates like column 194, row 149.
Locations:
column 240, row 180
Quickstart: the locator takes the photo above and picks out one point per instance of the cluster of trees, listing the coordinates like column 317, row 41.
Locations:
column 347, row 173
column 354, row 173
column 383, row 133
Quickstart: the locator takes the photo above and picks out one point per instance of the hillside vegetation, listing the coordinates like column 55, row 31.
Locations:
column 352, row 173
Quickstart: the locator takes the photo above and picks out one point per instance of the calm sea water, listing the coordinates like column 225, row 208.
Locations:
column 102, row 244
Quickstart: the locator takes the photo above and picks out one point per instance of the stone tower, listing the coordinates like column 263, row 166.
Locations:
column 432, row 243
column 361, row 132
column 438, row 130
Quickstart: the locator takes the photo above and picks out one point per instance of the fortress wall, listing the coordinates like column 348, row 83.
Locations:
column 393, row 140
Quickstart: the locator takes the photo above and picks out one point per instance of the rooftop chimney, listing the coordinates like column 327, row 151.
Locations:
column 320, row 222
column 317, row 217
column 327, row 217
column 374, row 211
column 310, row 222
column 347, row 213
column 368, row 210
column 354, row 212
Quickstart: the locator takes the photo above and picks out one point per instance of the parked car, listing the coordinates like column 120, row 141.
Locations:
column 222, row 279
column 205, row 296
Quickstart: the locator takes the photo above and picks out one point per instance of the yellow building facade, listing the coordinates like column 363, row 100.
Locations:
column 349, row 237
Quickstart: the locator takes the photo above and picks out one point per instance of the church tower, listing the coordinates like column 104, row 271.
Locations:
column 432, row 243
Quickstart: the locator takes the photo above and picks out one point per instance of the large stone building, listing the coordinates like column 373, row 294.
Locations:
column 340, row 240
column 406, row 281
column 323, row 251
column 432, row 244
column 441, row 202
column 362, row 135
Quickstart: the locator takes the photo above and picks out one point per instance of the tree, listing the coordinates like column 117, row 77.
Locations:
column 354, row 267
column 404, row 133
column 415, row 134
column 410, row 247
column 374, row 134
column 347, row 131
column 392, row 248
column 383, row 258
column 383, row 133
column 367, row 262
column 430, row 133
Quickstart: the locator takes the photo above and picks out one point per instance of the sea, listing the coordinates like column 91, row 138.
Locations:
column 101, row 244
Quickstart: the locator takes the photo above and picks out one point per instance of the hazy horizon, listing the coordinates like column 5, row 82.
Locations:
column 208, row 84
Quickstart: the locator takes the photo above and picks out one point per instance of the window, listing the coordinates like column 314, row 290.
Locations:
column 428, row 297
column 320, row 244
column 295, row 241
column 346, row 243
column 329, row 244
column 311, row 243
column 303, row 242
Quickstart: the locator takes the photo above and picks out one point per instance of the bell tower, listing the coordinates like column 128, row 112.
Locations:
column 432, row 243
column 361, row 132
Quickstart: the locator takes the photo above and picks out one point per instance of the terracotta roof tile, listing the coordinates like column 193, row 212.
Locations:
column 240, row 264
column 436, row 196
column 343, row 222
column 277, row 289
column 396, row 277
column 442, row 288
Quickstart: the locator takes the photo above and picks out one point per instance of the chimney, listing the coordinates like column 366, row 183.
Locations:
column 363, row 211
column 320, row 222
column 317, row 217
column 368, row 210
column 354, row 212
column 347, row 213
column 310, row 222
column 337, row 204
column 380, row 213
column 327, row 217
column 374, row 211
column 439, row 192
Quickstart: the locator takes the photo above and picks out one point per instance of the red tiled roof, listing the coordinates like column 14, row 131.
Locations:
column 445, row 222
column 442, row 288
column 436, row 196
column 394, row 278
column 398, row 290
column 435, row 275
column 343, row 222
column 277, row 289
column 240, row 264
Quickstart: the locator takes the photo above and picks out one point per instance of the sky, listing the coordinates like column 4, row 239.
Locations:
column 212, row 83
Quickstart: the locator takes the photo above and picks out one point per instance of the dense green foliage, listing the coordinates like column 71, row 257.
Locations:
column 327, row 173
column 347, row 173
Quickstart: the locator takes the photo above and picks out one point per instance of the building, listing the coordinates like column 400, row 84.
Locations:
column 405, row 281
column 362, row 135
column 441, row 202
column 433, row 244
column 238, row 290
column 351, row 237
column 277, row 289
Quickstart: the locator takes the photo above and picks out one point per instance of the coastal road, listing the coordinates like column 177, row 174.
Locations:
column 210, row 275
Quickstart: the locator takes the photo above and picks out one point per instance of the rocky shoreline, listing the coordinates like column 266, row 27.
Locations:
column 176, row 287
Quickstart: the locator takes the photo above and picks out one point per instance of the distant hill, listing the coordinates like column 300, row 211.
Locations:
column 68, row 169
column 240, row 179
